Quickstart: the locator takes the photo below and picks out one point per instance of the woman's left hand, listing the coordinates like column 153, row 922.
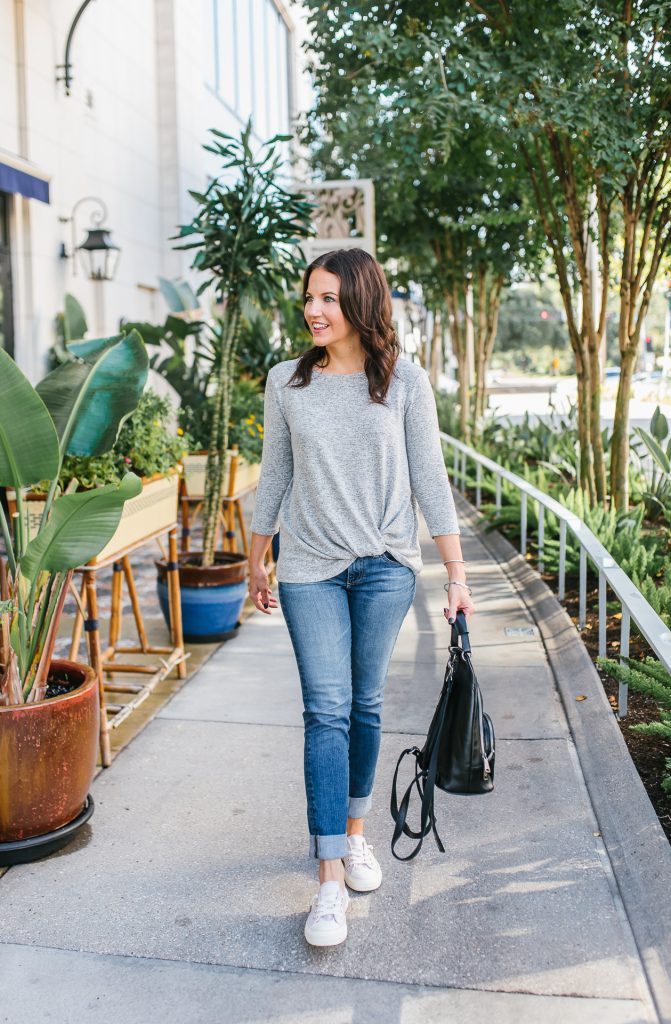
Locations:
column 459, row 601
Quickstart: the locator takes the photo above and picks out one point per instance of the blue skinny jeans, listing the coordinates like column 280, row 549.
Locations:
column 343, row 631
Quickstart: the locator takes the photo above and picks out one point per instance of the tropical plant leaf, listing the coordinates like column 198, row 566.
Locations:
column 655, row 449
column 74, row 320
column 79, row 528
column 90, row 397
column 28, row 439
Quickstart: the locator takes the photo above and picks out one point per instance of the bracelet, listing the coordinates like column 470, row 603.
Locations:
column 459, row 560
column 456, row 583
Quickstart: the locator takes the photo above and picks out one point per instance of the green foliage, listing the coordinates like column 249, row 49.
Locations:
column 651, row 679
column 246, row 233
column 70, row 325
column 447, row 406
column 146, row 445
column 246, row 423
column 655, row 486
column 37, row 427
column 91, row 395
column 522, row 327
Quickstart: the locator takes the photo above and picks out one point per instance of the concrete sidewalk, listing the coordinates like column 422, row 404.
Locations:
column 184, row 899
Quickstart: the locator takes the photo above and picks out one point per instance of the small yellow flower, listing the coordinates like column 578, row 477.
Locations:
column 259, row 428
column 180, row 432
column 250, row 418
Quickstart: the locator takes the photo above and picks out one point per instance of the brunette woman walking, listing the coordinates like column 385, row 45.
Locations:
column 351, row 447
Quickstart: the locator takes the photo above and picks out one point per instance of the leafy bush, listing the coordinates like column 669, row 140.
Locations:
column 145, row 444
column 654, row 487
column 650, row 678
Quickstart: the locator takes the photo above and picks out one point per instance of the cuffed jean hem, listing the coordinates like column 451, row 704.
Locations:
column 359, row 806
column 329, row 847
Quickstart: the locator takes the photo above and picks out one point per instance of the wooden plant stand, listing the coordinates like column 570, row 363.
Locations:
column 104, row 662
column 191, row 506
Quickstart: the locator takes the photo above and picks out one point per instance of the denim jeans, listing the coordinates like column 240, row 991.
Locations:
column 343, row 632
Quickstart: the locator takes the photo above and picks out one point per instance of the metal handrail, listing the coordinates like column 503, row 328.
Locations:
column 633, row 604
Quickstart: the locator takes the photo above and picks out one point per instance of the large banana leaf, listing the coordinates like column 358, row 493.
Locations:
column 90, row 397
column 79, row 528
column 28, row 440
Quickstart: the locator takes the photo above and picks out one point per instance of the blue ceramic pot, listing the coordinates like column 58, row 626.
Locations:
column 210, row 607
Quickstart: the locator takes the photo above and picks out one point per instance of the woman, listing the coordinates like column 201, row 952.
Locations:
column 350, row 448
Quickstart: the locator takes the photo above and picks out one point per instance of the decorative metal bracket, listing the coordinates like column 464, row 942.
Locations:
column 66, row 67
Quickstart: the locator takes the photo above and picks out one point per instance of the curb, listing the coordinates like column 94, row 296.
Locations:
column 639, row 852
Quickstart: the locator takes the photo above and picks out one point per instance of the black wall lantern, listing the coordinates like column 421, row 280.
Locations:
column 98, row 254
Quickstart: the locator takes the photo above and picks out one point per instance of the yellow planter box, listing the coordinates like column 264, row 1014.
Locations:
column 246, row 475
column 153, row 511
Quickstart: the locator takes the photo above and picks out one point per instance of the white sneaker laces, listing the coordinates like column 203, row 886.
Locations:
column 327, row 905
column 361, row 854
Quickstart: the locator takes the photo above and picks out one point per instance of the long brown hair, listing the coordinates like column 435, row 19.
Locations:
column 365, row 300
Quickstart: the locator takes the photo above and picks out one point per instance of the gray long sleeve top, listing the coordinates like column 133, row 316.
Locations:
column 342, row 476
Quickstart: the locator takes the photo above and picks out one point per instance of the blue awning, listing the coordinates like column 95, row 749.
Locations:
column 17, row 175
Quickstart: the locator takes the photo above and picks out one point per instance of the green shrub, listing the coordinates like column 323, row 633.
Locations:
column 652, row 679
column 145, row 444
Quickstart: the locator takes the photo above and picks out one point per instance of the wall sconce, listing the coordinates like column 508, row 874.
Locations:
column 66, row 66
column 98, row 253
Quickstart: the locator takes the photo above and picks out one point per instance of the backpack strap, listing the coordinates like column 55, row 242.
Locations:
column 425, row 782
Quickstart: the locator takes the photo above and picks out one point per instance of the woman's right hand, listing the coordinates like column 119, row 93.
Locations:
column 258, row 589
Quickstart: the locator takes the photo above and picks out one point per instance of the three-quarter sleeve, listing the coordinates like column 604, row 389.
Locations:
column 277, row 463
column 428, row 476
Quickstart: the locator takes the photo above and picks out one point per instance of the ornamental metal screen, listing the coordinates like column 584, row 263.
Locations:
column 345, row 216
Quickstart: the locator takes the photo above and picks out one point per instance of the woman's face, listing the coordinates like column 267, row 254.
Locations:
column 322, row 309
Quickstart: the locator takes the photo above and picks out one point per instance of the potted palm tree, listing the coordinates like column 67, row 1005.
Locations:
column 49, row 709
column 246, row 233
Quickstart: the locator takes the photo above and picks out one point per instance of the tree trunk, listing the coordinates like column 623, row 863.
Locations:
column 619, row 445
column 459, row 349
column 215, row 471
column 437, row 365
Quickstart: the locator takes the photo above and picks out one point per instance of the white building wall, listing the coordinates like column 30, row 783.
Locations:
column 143, row 97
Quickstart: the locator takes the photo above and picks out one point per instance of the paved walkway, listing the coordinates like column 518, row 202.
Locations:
column 184, row 899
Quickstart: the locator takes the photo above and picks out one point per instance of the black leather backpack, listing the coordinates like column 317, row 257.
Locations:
column 458, row 755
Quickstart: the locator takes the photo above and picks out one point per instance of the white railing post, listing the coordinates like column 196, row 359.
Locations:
column 582, row 600
column 635, row 608
column 523, row 525
column 562, row 560
column 602, row 614
column 478, row 484
column 623, row 690
column 541, row 535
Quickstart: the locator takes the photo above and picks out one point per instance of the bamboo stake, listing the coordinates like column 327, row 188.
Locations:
column 80, row 615
column 135, row 604
column 175, row 603
column 93, row 637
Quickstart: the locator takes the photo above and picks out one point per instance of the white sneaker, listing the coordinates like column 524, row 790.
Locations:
column 326, row 924
column 362, row 871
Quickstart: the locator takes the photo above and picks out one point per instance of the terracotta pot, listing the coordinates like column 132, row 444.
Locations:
column 48, row 756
